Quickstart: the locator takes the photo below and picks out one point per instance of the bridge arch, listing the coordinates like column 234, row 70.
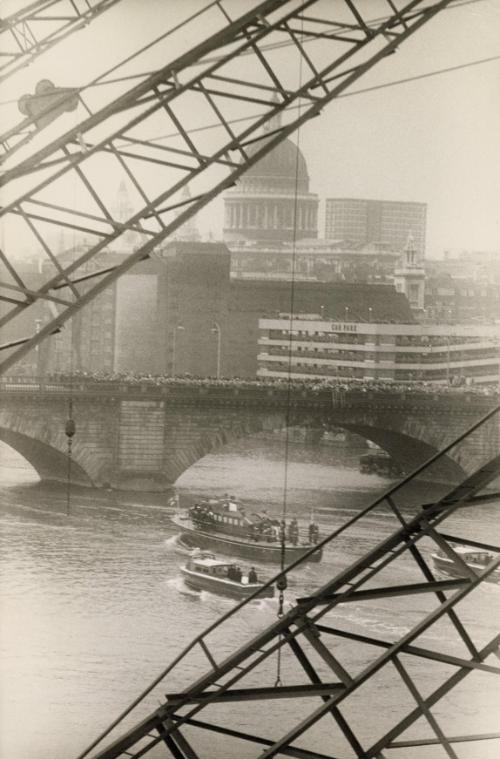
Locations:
column 407, row 451
column 47, row 461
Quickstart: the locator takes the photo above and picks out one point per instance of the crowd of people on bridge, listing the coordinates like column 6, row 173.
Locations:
column 338, row 386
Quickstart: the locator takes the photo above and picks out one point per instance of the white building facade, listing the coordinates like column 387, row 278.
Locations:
column 312, row 347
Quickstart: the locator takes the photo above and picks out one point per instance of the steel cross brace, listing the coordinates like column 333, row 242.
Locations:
column 304, row 618
column 119, row 134
column 40, row 25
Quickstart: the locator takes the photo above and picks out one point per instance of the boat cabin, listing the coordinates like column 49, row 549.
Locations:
column 469, row 555
column 227, row 515
column 206, row 563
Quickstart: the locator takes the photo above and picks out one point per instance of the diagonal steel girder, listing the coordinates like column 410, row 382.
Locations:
column 302, row 631
column 40, row 25
column 117, row 138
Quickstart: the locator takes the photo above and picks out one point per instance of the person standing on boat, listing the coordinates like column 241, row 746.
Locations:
column 254, row 532
column 313, row 533
column 238, row 574
column 252, row 576
column 282, row 531
column 293, row 532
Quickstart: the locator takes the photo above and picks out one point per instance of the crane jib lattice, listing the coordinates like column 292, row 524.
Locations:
column 311, row 636
column 117, row 141
column 40, row 25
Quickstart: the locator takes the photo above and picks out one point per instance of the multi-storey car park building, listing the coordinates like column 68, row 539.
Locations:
column 312, row 347
column 359, row 221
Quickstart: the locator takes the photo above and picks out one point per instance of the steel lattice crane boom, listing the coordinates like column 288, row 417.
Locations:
column 234, row 73
column 40, row 25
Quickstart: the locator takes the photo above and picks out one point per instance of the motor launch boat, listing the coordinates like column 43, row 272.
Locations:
column 204, row 571
column 223, row 524
column 476, row 559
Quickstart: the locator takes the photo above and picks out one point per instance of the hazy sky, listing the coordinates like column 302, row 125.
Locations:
column 435, row 140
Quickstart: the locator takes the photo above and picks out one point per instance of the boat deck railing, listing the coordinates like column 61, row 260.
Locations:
column 475, row 451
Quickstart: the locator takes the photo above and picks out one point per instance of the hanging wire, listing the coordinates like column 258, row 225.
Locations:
column 69, row 429
column 282, row 581
column 70, row 426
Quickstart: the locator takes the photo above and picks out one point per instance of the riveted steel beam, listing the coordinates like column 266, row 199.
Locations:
column 40, row 25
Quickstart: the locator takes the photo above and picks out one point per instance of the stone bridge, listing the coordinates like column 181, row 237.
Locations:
column 144, row 436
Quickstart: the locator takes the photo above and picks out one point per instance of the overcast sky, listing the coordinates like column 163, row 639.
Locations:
column 435, row 140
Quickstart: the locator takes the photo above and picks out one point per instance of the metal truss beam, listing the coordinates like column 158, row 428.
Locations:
column 399, row 590
column 209, row 80
column 40, row 25
column 299, row 753
column 256, row 694
column 306, row 635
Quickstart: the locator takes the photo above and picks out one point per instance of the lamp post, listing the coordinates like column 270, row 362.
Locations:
column 217, row 331
column 38, row 324
column 346, row 313
column 447, row 359
column 174, row 344
column 370, row 313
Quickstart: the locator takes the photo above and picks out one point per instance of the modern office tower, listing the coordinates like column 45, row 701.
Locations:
column 359, row 221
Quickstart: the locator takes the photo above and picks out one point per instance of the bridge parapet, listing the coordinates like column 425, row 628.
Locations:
column 223, row 392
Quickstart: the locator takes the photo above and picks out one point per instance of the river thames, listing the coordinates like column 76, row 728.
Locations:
column 92, row 605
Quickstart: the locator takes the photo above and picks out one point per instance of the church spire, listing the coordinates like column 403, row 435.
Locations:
column 188, row 232
column 275, row 120
column 410, row 250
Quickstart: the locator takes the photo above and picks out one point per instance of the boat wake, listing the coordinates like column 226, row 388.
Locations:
column 171, row 543
column 178, row 584
column 174, row 544
column 265, row 605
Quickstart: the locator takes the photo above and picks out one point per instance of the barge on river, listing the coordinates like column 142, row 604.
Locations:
column 223, row 525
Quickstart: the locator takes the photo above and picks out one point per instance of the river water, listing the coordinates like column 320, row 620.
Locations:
column 92, row 605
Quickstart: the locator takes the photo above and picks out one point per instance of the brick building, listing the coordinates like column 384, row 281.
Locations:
column 177, row 312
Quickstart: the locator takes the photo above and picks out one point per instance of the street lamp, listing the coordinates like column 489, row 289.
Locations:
column 174, row 344
column 38, row 324
column 346, row 313
column 370, row 313
column 447, row 359
column 216, row 330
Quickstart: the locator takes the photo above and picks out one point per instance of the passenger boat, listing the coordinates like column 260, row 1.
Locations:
column 223, row 525
column 204, row 571
column 476, row 559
